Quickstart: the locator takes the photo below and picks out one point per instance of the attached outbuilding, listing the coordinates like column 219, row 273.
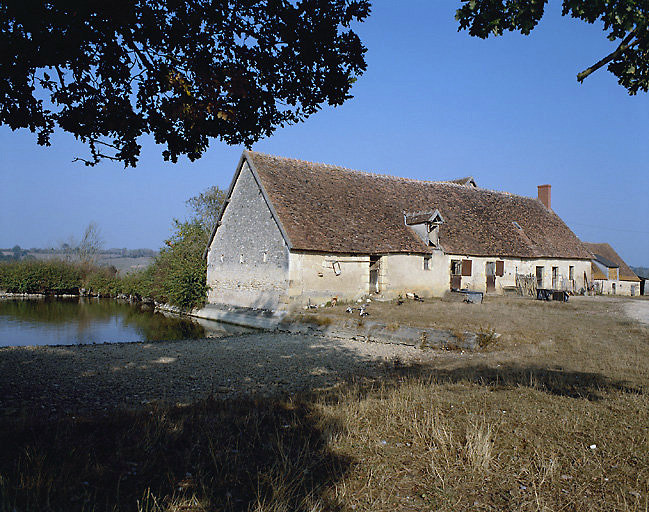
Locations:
column 611, row 275
column 293, row 232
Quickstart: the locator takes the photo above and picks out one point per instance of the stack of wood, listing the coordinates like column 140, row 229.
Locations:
column 526, row 285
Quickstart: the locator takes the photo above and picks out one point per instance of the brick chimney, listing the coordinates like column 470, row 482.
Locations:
column 545, row 195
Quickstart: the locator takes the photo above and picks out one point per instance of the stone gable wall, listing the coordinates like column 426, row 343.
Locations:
column 248, row 260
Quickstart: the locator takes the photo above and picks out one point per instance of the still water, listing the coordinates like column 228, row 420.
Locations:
column 85, row 321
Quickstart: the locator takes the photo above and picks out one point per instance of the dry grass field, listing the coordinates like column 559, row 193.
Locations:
column 553, row 417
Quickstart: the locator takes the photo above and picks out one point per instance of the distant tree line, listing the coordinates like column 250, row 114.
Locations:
column 17, row 253
column 177, row 275
column 641, row 271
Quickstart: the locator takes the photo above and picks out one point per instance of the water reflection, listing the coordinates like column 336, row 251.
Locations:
column 71, row 321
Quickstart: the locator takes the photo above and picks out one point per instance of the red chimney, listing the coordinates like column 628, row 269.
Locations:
column 545, row 195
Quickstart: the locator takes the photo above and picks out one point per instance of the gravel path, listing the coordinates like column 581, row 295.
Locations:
column 77, row 379
column 638, row 310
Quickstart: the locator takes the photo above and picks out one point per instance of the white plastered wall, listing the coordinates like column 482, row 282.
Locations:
column 319, row 277
column 605, row 286
column 313, row 276
column 512, row 266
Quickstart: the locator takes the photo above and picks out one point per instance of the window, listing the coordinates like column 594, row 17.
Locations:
column 336, row 266
column 466, row 267
column 571, row 273
column 539, row 277
column 456, row 268
column 555, row 277
column 426, row 262
column 433, row 235
column 500, row 268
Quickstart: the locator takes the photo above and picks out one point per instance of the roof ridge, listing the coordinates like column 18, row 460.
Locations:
column 392, row 177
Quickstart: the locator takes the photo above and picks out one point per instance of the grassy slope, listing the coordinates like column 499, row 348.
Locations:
column 506, row 429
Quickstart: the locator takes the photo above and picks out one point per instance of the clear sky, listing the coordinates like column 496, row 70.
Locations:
column 433, row 104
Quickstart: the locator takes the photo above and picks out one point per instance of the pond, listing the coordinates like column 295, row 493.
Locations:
column 74, row 321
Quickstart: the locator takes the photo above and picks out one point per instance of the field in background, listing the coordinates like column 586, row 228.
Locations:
column 553, row 417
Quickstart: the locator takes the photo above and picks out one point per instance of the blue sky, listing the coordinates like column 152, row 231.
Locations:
column 434, row 104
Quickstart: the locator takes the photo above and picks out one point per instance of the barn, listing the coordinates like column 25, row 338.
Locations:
column 293, row 232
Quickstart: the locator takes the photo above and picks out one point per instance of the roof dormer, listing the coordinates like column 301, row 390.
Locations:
column 426, row 224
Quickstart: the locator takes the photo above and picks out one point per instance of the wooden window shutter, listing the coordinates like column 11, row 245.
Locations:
column 500, row 268
column 466, row 267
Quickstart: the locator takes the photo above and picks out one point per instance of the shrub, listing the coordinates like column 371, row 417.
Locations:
column 102, row 281
column 49, row 277
column 178, row 274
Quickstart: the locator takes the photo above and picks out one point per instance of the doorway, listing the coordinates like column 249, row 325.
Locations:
column 375, row 273
column 539, row 277
column 490, row 271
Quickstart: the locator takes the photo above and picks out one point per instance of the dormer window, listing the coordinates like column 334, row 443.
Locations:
column 426, row 224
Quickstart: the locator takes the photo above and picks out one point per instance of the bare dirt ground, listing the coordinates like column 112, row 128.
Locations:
column 638, row 310
column 91, row 378
column 86, row 378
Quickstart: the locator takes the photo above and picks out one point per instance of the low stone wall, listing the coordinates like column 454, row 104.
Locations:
column 369, row 331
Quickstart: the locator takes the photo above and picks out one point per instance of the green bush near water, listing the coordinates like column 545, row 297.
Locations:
column 50, row 277
column 177, row 276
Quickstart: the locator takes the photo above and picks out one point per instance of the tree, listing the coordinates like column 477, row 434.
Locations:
column 182, row 71
column 179, row 272
column 626, row 21
column 206, row 207
column 90, row 245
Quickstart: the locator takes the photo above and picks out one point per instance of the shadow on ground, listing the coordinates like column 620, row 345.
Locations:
column 236, row 454
column 558, row 382
column 212, row 455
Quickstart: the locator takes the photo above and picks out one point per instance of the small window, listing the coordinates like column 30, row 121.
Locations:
column 571, row 273
column 500, row 268
column 467, row 265
column 426, row 262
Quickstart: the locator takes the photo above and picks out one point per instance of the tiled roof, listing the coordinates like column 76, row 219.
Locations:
column 326, row 208
column 608, row 253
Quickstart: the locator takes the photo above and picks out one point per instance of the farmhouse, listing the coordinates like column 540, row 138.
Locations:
column 610, row 274
column 293, row 232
